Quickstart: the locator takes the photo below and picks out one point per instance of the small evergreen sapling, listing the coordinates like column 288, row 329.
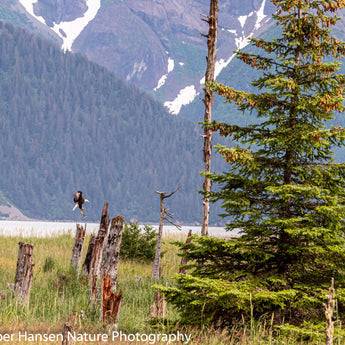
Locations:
column 138, row 242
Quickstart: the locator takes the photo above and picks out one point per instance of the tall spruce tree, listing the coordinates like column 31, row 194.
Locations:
column 283, row 188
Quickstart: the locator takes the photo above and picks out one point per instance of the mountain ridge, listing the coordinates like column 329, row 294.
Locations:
column 147, row 35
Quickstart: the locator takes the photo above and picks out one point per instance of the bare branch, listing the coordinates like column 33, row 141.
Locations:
column 169, row 195
column 172, row 223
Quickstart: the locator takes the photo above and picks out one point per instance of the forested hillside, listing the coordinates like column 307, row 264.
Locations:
column 69, row 124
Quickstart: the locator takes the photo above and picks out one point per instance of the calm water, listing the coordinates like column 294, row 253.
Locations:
column 43, row 229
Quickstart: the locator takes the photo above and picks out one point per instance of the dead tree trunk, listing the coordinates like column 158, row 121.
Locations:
column 329, row 309
column 184, row 260
column 111, row 252
column 212, row 21
column 96, row 258
column 111, row 302
column 164, row 215
column 87, row 262
column 78, row 247
column 22, row 283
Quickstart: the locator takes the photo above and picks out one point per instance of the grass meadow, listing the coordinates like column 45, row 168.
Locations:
column 57, row 294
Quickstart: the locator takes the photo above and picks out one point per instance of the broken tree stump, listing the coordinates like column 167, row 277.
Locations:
column 111, row 302
column 96, row 258
column 329, row 309
column 22, row 283
column 111, row 252
column 67, row 329
column 78, row 247
column 184, row 260
column 87, row 262
column 157, row 309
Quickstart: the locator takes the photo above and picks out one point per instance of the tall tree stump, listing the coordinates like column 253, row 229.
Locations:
column 111, row 302
column 111, row 252
column 78, row 247
column 96, row 258
column 87, row 262
column 22, row 283
column 184, row 260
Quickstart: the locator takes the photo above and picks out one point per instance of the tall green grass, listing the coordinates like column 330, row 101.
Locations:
column 57, row 293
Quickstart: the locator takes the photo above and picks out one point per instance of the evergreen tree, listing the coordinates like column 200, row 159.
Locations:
column 283, row 188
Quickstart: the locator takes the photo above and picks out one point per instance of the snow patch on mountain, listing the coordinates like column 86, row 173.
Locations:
column 261, row 16
column 29, row 7
column 171, row 65
column 68, row 31
column 243, row 19
column 185, row 97
column 162, row 80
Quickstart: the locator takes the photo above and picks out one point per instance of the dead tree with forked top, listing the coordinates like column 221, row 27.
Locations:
column 164, row 215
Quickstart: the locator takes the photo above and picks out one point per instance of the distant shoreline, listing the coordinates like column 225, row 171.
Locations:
column 47, row 228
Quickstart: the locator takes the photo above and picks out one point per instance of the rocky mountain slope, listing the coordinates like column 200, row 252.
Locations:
column 154, row 44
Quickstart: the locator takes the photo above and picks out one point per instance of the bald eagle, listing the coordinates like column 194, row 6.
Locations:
column 79, row 200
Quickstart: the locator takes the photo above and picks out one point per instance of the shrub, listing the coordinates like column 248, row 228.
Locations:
column 138, row 242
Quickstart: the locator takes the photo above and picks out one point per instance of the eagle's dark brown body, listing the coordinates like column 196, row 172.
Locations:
column 79, row 201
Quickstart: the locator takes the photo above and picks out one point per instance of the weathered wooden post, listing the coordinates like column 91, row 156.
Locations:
column 78, row 247
column 111, row 302
column 87, row 262
column 184, row 260
column 96, row 258
column 164, row 215
column 22, row 283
